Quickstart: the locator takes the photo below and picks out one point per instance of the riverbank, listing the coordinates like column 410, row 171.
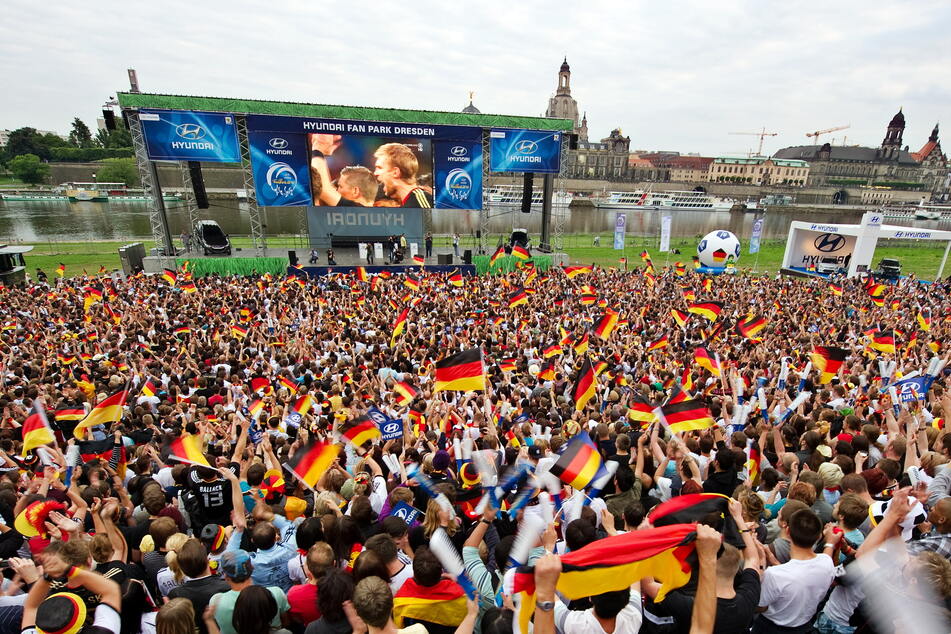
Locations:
column 923, row 261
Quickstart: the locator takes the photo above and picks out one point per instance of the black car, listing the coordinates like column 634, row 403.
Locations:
column 211, row 239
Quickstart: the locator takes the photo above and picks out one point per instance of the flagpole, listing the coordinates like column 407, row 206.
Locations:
column 294, row 473
column 187, row 461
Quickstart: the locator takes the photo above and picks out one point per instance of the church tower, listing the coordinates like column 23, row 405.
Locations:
column 891, row 145
column 561, row 105
column 583, row 130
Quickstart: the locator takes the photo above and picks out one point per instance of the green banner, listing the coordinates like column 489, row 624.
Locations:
column 200, row 267
column 506, row 264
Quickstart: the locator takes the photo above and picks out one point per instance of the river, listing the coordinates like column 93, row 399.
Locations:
column 75, row 222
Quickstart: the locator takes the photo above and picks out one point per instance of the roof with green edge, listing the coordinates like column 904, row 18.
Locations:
column 323, row 111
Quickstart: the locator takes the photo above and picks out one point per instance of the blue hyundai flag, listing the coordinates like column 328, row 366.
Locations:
column 405, row 512
column 913, row 389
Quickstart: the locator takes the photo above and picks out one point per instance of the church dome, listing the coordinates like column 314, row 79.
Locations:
column 471, row 109
column 564, row 66
column 898, row 121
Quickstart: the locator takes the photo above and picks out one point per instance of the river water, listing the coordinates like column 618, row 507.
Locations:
column 63, row 221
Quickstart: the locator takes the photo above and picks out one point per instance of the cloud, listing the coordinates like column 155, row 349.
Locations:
column 678, row 75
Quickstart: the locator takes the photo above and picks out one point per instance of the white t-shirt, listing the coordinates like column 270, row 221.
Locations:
column 791, row 592
column 584, row 622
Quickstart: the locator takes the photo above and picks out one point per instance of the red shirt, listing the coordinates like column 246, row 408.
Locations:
column 303, row 601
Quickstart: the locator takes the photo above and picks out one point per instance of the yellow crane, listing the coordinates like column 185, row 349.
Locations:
column 762, row 134
column 816, row 134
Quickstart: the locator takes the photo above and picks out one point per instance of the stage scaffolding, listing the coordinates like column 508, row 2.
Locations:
column 258, row 239
column 484, row 210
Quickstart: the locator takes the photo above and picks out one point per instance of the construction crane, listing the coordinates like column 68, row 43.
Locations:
column 816, row 134
column 762, row 134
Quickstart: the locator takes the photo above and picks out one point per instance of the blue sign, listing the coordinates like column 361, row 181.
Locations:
column 347, row 127
column 913, row 389
column 281, row 172
column 177, row 135
column 405, row 512
column 620, row 227
column 458, row 167
column 524, row 151
column 390, row 428
column 757, row 234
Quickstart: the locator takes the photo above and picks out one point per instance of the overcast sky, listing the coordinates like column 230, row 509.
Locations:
column 672, row 75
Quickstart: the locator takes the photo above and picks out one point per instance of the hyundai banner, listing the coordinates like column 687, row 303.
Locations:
column 281, row 172
column 175, row 135
column 458, row 174
column 757, row 235
column 525, row 151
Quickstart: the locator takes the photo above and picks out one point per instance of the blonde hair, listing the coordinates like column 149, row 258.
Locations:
column 431, row 521
column 936, row 573
column 174, row 544
column 401, row 157
column 176, row 617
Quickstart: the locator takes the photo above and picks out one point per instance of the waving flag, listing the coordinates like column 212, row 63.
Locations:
column 581, row 346
column 584, row 386
column 36, row 430
column 751, row 326
column 641, row 410
column 574, row 271
column 495, row 256
column 580, row 462
column 170, row 276
column 518, row 298
column 261, row 385
column 660, row 343
column 705, row 360
column 463, row 372
column 405, row 393
column 107, row 411
column 399, row 325
column 310, row 464
column 679, row 317
column 924, row 322
column 687, row 415
column 828, row 361
column 552, row 351
column 288, row 383
column 188, row 449
column 607, row 323
column 710, row 310
column 362, row 430
column 520, row 253
column 455, row 278
column 883, row 341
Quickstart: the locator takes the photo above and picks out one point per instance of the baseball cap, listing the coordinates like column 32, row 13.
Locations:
column 236, row 565
column 213, row 536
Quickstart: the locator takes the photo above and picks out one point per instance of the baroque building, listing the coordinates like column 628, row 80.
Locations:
column 606, row 159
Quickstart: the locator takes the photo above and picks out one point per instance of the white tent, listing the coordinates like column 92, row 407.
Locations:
column 852, row 245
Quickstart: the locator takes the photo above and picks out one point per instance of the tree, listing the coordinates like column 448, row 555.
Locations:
column 118, row 170
column 117, row 138
column 26, row 141
column 29, row 168
column 80, row 136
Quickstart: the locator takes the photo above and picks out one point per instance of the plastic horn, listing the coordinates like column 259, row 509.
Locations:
column 763, row 404
column 893, row 393
column 457, row 453
column 429, row 488
column 738, row 388
column 933, row 365
column 602, row 480
column 747, row 408
column 572, row 507
column 783, row 373
column 886, row 369
column 800, row 398
column 72, row 459
column 450, row 560
column 510, row 477
column 911, row 375
column 805, row 374
column 529, row 530
column 553, row 486
column 521, row 500
column 467, row 448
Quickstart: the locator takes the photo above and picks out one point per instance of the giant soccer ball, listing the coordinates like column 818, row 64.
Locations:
column 717, row 248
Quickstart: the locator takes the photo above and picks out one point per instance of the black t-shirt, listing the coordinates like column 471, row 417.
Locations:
column 214, row 500
column 418, row 198
column 134, row 534
column 345, row 202
column 736, row 614
column 199, row 592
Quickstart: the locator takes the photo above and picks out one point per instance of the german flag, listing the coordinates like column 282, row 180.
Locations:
column 443, row 603
column 148, row 389
column 518, row 298
column 547, row 371
column 878, row 301
column 36, row 430
column 69, row 414
column 705, row 360
column 606, row 324
column 875, row 290
column 883, row 341
column 641, row 411
column 255, row 407
column 753, row 464
column 170, row 276
column 240, row 332
column 552, row 351
column 399, row 325
column 455, row 278
column 828, row 361
column 303, row 404
column 90, row 450
column 66, row 359
column 182, row 330
column 584, row 385
column 600, row 367
column 362, row 274
column 92, row 295
column 531, row 276
column 411, row 283
column 751, row 326
column 187, row 449
column 417, row 420
column 587, row 299
column 61, row 270
column 520, row 253
column 580, row 462
column 679, row 316
column 288, row 383
column 686, row 379
column 895, row 304
column 663, row 342
column 311, row 463
column 710, row 310
column 924, row 322
column 495, row 256
column 836, row 290
column 107, row 411
column 507, row 365
column 261, row 385
column 189, row 287
column 707, row 285
column 360, row 431
column 686, row 509
column 581, row 346
column 687, row 415
column 574, row 271
column 404, row 393
column 462, row 372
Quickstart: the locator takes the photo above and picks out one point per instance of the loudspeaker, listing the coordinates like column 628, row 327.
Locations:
column 292, row 257
column 198, row 184
column 528, row 186
column 572, row 141
column 109, row 116
column 467, row 256
column 444, row 258
column 478, row 234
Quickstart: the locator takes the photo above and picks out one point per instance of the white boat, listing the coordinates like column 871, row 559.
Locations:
column 512, row 195
column 76, row 192
column 921, row 211
column 667, row 201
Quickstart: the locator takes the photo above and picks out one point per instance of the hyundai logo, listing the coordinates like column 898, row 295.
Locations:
column 459, row 150
column 278, row 143
column 526, row 147
column 392, row 428
column 191, row 131
column 829, row 243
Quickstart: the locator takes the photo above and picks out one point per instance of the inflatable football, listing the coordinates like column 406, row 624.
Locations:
column 717, row 248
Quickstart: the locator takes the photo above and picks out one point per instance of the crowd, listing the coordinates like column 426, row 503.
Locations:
column 804, row 497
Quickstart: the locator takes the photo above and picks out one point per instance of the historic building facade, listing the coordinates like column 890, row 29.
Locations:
column 606, row 159
column 889, row 166
column 758, row 170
